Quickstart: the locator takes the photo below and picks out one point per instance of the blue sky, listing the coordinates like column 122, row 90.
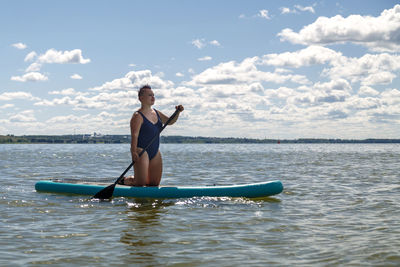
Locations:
column 259, row 69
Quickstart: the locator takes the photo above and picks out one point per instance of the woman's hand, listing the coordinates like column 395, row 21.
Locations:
column 180, row 108
column 135, row 156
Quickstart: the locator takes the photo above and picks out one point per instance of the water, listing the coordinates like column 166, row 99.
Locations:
column 340, row 206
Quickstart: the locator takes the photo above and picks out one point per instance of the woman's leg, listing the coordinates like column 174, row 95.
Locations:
column 155, row 170
column 141, row 170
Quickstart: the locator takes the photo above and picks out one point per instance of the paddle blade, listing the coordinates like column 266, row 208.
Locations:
column 105, row 193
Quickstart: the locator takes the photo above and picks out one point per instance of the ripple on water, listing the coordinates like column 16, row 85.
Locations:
column 339, row 207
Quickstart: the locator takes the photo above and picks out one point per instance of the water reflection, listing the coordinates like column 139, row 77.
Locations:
column 144, row 230
column 144, row 212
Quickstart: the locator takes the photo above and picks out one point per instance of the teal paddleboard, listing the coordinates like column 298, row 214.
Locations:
column 254, row 190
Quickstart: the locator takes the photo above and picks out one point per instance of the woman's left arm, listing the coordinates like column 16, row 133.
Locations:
column 164, row 118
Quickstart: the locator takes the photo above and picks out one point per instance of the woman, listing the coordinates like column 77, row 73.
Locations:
column 145, row 124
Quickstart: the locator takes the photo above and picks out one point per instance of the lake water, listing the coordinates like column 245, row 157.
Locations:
column 340, row 206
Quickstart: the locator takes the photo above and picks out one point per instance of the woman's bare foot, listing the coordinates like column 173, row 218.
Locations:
column 130, row 180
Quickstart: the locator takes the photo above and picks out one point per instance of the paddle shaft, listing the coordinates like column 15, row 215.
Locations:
column 151, row 142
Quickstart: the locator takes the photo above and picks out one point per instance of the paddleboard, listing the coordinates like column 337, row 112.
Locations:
column 253, row 190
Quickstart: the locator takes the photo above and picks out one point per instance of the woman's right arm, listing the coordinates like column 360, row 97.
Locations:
column 136, row 123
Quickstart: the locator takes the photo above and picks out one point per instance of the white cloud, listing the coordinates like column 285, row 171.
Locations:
column 384, row 77
column 199, row 43
column 285, row 10
column 309, row 56
column 367, row 91
column 392, row 96
column 120, row 95
column 62, row 57
column 297, row 9
column 214, row 43
column 282, row 70
column 245, row 72
column 24, row 116
column 8, row 96
column 7, row 106
column 202, row 43
column 249, row 99
column 233, row 95
column 243, row 91
column 179, row 74
column 68, row 91
column 56, row 102
column 76, row 77
column 320, row 94
column 225, row 73
column 366, row 103
column 206, row 58
column 30, row 77
column 134, row 80
column 263, row 14
column 20, row 46
column 369, row 69
column 34, row 67
column 104, row 122
column 67, row 119
column 183, row 92
column 30, row 56
column 116, row 84
column 115, row 101
column 378, row 33
column 338, row 85
column 51, row 56
column 305, row 8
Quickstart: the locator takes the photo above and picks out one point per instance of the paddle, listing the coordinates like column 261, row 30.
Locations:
column 106, row 193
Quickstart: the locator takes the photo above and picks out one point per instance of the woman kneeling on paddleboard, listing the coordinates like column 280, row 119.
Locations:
column 146, row 123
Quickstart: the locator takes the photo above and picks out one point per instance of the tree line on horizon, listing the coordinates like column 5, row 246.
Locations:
column 121, row 139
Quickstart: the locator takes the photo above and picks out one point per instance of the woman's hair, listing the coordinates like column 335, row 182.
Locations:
column 141, row 90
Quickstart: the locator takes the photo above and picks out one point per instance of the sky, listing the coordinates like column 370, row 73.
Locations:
column 247, row 69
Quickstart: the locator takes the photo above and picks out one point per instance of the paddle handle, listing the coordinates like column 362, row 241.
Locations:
column 152, row 140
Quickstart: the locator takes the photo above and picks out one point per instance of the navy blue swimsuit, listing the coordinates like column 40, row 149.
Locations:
column 147, row 132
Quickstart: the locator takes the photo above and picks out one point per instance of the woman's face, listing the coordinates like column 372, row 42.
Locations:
column 147, row 97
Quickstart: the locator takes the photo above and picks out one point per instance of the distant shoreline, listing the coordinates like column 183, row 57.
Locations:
column 122, row 139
